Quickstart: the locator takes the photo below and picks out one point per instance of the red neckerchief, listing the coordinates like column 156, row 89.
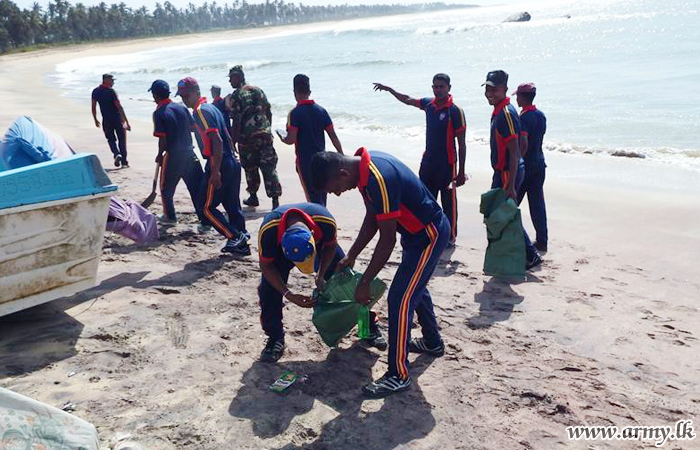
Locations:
column 448, row 103
column 498, row 108
column 282, row 227
column 527, row 109
column 199, row 102
column 217, row 99
column 365, row 160
column 163, row 102
column 305, row 102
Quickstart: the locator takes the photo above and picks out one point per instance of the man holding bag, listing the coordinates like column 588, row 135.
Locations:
column 302, row 235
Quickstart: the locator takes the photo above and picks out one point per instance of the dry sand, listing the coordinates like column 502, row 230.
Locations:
column 165, row 347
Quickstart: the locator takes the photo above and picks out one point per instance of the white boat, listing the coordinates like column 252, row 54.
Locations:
column 52, row 222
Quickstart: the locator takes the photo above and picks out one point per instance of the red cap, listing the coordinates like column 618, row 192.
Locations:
column 185, row 84
column 525, row 88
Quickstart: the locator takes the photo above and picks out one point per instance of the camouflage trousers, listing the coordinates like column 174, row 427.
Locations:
column 257, row 153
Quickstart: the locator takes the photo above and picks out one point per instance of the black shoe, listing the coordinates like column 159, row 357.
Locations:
column 125, row 165
column 376, row 340
column 252, row 200
column 273, row 350
column 541, row 247
column 117, row 161
column 275, row 202
column 386, row 385
column 419, row 345
column 534, row 262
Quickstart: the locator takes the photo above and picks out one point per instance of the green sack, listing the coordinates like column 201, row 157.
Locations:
column 336, row 312
column 505, row 255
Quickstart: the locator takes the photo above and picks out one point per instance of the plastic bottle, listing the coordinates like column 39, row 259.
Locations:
column 363, row 322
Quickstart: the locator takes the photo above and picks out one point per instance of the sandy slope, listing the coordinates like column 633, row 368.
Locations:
column 165, row 347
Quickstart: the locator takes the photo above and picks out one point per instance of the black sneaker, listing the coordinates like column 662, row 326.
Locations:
column 237, row 243
column 273, row 350
column 376, row 340
column 386, row 385
column 534, row 262
column 419, row 345
column 125, row 165
column 117, row 161
column 275, row 202
column 252, row 200
column 541, row 247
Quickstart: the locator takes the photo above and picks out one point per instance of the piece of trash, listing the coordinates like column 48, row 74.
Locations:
column 94, row 379
column 284, row 381
column 128, row 446
column 71, row 374
column 68, row 407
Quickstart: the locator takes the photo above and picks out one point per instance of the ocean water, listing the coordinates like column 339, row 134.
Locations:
column 612, row 76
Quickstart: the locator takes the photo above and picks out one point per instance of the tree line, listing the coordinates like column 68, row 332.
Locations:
column 62, row 22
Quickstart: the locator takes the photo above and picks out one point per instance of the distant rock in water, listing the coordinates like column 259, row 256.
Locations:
column 520, row 17
column 567, row 16
column 628, row 154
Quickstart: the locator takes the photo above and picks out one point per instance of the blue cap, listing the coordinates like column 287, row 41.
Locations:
column 161, row 88
column 299, row 247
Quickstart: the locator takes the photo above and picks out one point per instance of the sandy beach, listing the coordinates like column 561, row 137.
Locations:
column 165, row 347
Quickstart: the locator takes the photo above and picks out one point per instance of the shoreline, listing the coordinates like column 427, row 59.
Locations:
column 606, row 329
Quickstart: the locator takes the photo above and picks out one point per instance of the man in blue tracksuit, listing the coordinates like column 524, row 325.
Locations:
column 440, row 169
column 172, row 124
column 302, row 235
column 534, row 125
column 222, row 174
column 114, row 121
column 396, row 200
column 508, row 166
column 306, row 125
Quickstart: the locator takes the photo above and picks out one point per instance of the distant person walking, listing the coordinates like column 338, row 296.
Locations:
column 114, row 121
column 534, row 125
column 442, row 166
column 172, row 124
column 508, row 166
column 306, row 125
column 251, row 117
column 220, row 103
column 221, row 182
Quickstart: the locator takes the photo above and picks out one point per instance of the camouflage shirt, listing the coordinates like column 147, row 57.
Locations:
column 249, row 109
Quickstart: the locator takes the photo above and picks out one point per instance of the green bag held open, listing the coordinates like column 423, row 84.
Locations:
column 336, row 312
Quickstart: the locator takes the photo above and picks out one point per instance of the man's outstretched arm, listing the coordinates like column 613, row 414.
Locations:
column 403, row 98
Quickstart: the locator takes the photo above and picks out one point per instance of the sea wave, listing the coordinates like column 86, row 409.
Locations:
column 367, row 63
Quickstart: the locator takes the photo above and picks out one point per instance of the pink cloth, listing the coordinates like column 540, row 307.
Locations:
column 132, row 221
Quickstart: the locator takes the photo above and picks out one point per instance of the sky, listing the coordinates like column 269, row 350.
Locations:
column 183, row 3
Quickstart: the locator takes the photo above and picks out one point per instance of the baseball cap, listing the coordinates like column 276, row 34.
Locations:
column 160, row 87
column 299, row 247
column 186, row 84
column 526, row 88
column 237, row 69
column 496, row 78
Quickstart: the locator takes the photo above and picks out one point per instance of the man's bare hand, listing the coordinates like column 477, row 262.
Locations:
column 345, row 262
column 381, row 87
column 97, row 123
column 362, row 293
column 461, row 179
column 215, row 180
column 303, row 301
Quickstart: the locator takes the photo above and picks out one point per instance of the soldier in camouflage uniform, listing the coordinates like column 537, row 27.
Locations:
column 251, row 119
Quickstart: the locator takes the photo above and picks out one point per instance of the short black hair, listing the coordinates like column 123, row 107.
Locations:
column 302, row 84
column 442, row 76
column 324, row 166
column 529, row 96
